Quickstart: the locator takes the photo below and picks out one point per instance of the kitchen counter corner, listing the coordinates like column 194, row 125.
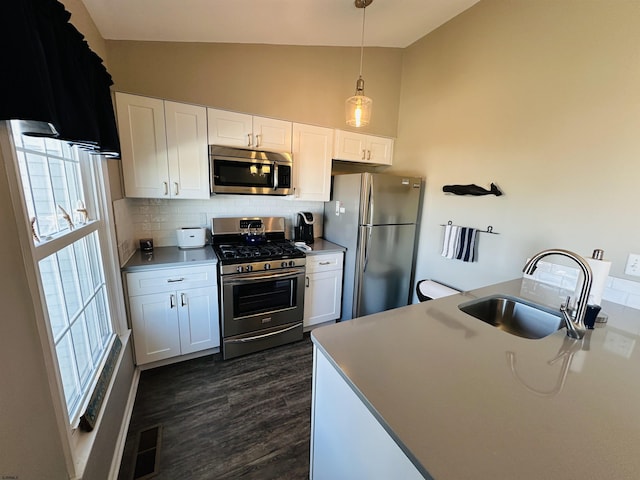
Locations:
column 321, row 246
column 164, row 257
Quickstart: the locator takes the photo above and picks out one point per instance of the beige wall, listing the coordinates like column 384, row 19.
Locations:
column 542, row 98
column 302, row 84
column 83, row 22
column 30, row 446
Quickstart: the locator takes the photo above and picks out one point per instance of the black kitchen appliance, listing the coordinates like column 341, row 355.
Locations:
column 304, row 228
column 261, row 281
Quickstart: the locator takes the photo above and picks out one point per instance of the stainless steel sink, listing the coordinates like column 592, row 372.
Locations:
column 514, row 315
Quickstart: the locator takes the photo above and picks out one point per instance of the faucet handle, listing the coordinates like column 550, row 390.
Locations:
column 564, row 307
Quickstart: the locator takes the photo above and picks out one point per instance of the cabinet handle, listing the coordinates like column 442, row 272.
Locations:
column 258, row 138
column 172, row 300
column 250, row 142
column 368, row 154
column 166, row 188
column 324, row 263
column 177, row 191
column 174, row 280
column 306, row 282
column 364, row 154
column 183, row 300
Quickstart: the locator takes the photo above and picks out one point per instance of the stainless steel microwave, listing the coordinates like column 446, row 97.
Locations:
column 250, row 172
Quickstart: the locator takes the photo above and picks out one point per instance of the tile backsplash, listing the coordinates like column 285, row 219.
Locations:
column 159, row 219
column 616, row 290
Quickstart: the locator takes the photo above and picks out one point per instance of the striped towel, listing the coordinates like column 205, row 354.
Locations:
column 467, row 244
column 451, row 240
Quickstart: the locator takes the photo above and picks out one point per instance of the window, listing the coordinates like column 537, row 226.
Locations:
column 60, row 186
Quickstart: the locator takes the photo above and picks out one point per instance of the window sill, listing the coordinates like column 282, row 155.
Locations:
column 82, row 442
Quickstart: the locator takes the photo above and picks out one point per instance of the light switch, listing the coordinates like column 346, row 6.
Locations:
column 633, row 265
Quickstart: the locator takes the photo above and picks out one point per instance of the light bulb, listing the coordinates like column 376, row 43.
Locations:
column 358, row 113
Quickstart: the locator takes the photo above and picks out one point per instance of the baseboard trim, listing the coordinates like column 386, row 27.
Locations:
column 124, row 428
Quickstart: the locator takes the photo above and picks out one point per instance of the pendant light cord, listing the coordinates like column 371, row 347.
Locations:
column 364, row 11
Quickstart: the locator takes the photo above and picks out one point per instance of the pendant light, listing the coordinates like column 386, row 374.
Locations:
column 358, row 107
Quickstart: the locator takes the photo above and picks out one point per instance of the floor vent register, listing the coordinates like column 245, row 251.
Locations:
column 147, row 453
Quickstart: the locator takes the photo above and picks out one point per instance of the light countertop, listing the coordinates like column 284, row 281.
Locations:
column 320, row 246
column 466, row 400
column 165, row 257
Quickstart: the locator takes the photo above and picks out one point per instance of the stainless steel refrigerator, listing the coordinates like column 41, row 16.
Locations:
column 375, row 217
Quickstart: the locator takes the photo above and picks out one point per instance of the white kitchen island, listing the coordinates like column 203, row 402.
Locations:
column 427, row 391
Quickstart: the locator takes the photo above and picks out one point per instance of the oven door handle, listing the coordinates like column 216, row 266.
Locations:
column 252, row 277
column 264, row 335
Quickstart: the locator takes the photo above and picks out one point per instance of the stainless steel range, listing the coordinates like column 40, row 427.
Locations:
column 261, row 278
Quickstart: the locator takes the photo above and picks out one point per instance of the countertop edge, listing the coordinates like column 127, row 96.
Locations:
column 169, row 257
column 387, row 428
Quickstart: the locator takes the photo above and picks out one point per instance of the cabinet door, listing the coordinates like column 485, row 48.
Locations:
column 143, row 143
column 186, row 127
column 350, row 146
column 198, row 314
column 380, row 150
column 322, row 297
column 229, row 128
column 154, row 320
column 312, row 162
column 272, row 134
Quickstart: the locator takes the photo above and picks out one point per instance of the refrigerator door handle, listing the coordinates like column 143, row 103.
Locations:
column 361, row 266
column 366, row 249
column 371, row 203
column 366, row 200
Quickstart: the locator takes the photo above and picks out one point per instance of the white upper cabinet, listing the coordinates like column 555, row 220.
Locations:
column 187, row 150
column 143, row 145
column 241, row 130
column 312, row 147
column 359, row 147
column 164, row 148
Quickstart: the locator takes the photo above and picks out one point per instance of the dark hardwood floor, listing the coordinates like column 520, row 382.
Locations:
column 245, row 418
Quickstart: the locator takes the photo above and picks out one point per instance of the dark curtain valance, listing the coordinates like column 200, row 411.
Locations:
column 52, row 80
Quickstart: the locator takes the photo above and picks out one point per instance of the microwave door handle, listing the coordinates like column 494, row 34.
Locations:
column 275, row 175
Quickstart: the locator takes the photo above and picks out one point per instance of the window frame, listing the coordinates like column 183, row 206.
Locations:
column 94, row 169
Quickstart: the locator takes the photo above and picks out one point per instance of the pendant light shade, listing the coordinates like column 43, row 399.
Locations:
column 358, row 107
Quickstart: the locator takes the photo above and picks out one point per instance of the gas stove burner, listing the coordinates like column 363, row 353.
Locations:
column 272, row 250
column 236, row 255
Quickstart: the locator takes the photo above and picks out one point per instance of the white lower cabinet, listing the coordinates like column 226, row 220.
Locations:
column 173, row 312
column 347, row 441
column 323, row 292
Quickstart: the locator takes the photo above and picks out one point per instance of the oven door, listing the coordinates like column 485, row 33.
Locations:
column 262, row 177
column 255, row 301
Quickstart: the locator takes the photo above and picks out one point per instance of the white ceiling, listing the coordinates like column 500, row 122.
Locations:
column 389, row 23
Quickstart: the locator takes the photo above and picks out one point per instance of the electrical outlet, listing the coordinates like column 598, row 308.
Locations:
column 633, row 265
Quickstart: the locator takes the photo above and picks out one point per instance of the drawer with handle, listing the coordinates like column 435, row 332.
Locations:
column 324, row 262
column 170, row 279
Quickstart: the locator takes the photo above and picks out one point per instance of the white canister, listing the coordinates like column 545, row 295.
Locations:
column 191, row 237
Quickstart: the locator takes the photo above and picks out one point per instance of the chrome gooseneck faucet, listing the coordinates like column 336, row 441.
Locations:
column 575, row 327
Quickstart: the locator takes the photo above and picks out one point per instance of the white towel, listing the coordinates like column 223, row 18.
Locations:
column 467, row 244
column 451, row 240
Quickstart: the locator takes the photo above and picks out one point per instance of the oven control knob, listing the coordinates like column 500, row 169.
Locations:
column 292, row 263
column 239, row 269
column 248, row 268
column 283, row 264
column 267, row 266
